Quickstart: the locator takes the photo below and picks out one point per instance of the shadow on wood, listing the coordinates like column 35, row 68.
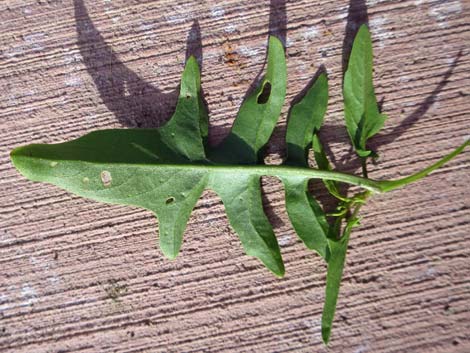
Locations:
column 135, row 102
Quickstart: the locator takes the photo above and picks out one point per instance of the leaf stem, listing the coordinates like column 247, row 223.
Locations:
column 388, row 185
column 359, row 202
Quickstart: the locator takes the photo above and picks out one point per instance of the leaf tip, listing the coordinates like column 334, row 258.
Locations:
column 273, row 38
column 276, row 268
column 19, row 158
column 192, row 61
column 364, row 30
column 169, row 249
column 191, row 67
column 325, row 334
column 280, row 273
column 13, row 154
column 275, row 42
column 169, row 254
column 18, row 151
column 323, row 77
column 466, row 140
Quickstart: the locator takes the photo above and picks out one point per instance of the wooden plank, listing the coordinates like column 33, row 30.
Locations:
column 78, row 276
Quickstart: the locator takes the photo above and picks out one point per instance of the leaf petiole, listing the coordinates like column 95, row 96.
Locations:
column 389, row 185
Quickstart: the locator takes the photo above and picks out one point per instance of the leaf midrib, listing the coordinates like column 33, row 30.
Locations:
column 267, row 170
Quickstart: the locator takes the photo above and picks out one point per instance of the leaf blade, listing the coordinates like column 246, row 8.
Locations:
column 336, row 262
column 258, row 114
column 105, row 177
column 241, row 197
column 186, row 131
column 363, row 119
column 152, row 181
column 305, row 214
column 306, row 118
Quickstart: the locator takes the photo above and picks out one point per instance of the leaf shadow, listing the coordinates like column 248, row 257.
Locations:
column 135, row 102
column 385, row 139
column 270, row 211
column 278, row 28
column 357, row 16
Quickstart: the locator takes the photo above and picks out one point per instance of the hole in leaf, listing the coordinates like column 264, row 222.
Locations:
column 263, row 97
column 170, row 200
column 106, row 178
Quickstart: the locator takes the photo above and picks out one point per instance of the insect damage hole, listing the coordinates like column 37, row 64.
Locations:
column 106, row 178
column 263, row 97
column 170, row 200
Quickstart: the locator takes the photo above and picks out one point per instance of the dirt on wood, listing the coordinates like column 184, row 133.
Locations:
column 80, row 276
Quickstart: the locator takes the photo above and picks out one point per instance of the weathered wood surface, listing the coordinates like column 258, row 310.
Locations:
column 77, row 275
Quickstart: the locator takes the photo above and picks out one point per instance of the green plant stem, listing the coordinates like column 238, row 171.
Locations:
column 312, row 173
column 358, row 206
column 368, row 184
column 388, row 185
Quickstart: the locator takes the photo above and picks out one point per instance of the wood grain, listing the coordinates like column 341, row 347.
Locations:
column 79, row 276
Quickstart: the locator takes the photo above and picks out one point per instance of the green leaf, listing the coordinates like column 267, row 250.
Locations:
column 144, row 172
column 258, row 114
column 306, row 215
column 306, row 118
column 166, row 170
column 241, row 196
column 363, row 119
column 336, row 261
column 186, row 132
column 134, row 167
column 121, row 167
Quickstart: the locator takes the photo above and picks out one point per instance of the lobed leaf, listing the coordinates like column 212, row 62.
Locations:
column 166, row 170
column 121, row 167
